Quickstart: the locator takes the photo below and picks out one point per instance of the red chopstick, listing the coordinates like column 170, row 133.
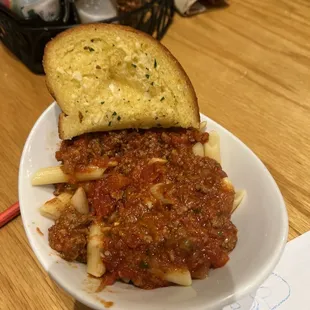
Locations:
column 9, row 214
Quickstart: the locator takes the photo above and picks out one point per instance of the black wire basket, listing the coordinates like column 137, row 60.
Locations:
column 26, row 39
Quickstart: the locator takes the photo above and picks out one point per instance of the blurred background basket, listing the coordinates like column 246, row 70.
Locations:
column 26, row 38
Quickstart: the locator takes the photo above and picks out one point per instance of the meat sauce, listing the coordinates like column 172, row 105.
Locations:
column 159, row 215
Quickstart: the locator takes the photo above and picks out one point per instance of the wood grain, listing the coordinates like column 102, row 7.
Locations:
column 249, row 64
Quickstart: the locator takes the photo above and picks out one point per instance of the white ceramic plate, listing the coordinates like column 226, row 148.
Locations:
column 261, row 220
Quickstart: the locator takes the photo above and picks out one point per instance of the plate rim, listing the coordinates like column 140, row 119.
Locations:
column 246, row 289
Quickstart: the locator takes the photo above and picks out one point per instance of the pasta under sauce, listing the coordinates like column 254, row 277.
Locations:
column 162, row 208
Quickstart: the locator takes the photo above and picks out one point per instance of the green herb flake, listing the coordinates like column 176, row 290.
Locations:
column 102, row 102
column 155, row 63
column 118, row 118
column 114, row 113
column 143, row 265
column 162, row 98
column 220, row 233
column 187, row 243
column 147, row 76
column 80, row 116
column 89, row 48
column 152, row 83
column 135, row 66
column 110, row 123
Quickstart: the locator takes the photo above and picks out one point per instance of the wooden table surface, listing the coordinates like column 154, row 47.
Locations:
column 250, row 66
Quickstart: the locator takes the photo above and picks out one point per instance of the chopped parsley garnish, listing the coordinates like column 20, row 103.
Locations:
column 102, row 102
column 155, row 63
column 147, row 76
column 118, row 118
column 135, row 66
column 144, row 265
column 114, row 113
column 110, row 123
column 80, row 116
column 88, row 48
column 187, row 245
column 162, row 98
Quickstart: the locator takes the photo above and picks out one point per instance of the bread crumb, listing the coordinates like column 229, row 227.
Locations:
column 60, row 70
column 77, row 75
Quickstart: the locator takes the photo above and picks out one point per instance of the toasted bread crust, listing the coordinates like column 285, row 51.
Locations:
column 60, row 126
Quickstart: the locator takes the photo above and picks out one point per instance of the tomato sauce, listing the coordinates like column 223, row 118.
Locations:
column 163, row 208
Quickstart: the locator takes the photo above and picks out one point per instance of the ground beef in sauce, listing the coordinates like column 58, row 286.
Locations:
column 182, row 222
column 69, row 235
